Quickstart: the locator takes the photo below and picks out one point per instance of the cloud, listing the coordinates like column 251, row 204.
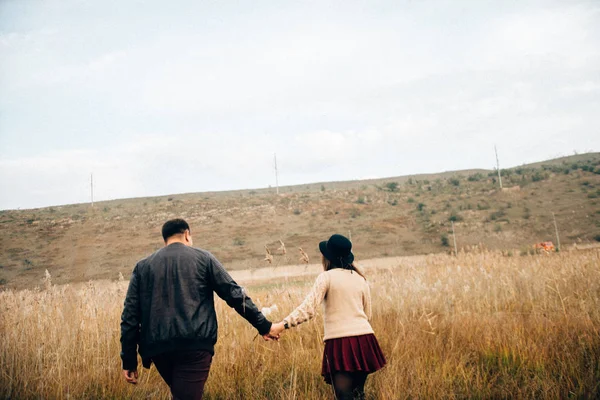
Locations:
column 203, row 102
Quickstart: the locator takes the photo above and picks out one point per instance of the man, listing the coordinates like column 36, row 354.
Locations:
column 169, row 312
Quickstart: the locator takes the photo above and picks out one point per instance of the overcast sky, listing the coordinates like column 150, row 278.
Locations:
column 158, row 97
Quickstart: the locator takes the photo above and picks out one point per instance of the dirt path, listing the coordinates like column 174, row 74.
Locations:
column 247, row 276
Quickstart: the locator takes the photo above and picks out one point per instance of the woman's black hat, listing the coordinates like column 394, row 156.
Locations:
column 338, row 250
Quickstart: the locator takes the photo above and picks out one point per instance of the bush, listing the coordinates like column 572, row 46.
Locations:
column 411, row 200
column 445, row 241
column 420, row 206
column 497, row 228
column 538, row 176
column 297, row 211
column 238, row 242
column 454, row 217
column 454, row 181
column 475, row 177
column 597, row 238
column 483, row 206
column 360, row 200
column 392, row 186
column 497, row 215
column 393, row 202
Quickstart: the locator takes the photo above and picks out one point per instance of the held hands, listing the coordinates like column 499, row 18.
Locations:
column 275, row 331
column 130, row 376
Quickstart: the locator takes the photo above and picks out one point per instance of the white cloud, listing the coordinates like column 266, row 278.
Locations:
column 203, row 102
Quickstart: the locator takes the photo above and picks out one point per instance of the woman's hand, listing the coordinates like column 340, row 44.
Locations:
column 276, row 329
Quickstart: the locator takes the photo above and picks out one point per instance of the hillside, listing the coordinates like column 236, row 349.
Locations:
column 385, row 217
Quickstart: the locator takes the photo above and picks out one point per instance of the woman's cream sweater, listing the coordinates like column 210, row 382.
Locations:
column 347, row 304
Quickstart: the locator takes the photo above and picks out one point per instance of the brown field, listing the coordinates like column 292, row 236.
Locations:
column 78, row 242
column 480, row 325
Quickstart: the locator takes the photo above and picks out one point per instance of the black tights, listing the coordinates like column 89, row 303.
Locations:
column 349, row 385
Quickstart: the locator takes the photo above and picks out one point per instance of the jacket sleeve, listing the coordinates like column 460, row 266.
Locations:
column 235, row 296
column 130, row 324
column 308, row 308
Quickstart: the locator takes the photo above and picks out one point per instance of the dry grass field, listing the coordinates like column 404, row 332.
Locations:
column 480, row 325
column 397, row 216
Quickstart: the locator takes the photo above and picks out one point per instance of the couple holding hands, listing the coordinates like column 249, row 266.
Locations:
column 169, row 315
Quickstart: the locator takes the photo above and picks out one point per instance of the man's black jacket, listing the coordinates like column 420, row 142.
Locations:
column 170, row 304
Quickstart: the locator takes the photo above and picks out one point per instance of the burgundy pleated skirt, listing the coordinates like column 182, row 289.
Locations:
column 352, row 354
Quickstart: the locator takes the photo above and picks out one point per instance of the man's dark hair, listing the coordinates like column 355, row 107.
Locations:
column 174, row 227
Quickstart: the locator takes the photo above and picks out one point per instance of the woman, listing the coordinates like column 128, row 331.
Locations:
column 351, row 349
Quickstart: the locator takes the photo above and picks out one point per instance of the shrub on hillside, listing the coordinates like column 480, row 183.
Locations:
column 455, row 217
column 483, row 206
column 497, row 215
column 475, row 177
column 393, row 186
column 538, row 176
column 444, row 240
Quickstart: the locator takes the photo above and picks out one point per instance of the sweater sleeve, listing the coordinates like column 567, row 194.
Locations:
column 367, row 302
column 308, row 308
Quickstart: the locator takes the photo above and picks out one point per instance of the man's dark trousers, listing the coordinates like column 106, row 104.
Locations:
column 185, row 372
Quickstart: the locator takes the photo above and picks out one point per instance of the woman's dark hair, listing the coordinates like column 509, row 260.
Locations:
column 327, row 265
column 174, row 227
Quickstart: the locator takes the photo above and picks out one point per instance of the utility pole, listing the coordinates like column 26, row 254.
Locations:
column 276, row 174
column 556, row 230
column 498, row 167
column 92, row 188
column 454, row 238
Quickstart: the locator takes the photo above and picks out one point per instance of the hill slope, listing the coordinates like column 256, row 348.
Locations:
column 393, row 216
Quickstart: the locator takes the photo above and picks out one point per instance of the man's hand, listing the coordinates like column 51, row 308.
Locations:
column 130, row 376
column 275, row 332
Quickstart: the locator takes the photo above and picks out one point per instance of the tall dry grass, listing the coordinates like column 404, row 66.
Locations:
column 475, row 326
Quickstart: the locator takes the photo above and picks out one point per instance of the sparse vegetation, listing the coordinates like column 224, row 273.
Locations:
column 69, row 238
